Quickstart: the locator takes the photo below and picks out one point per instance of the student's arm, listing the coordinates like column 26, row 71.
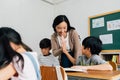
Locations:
column 105, row 66
column 7, row 72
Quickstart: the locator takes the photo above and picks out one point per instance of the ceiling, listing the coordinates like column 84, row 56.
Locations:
column 54, row 2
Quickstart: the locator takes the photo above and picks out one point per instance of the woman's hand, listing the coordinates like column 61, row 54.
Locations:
column 7, row 72
column 63, row 45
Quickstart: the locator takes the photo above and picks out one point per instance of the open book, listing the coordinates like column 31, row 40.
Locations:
column 73, row 69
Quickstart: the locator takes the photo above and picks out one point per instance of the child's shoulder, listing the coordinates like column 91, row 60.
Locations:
column 96, row 56
column 82, row 57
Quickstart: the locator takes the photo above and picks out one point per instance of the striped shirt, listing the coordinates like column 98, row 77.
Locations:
column 49, row 60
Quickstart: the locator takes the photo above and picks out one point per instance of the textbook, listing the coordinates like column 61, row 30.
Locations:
column 73, row 69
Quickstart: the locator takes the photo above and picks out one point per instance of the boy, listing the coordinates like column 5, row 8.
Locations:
column 47, row 58
column 91, row 47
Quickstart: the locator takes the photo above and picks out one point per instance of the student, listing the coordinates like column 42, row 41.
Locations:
column 47, row 58
column 90, row 60
column 15, row 57
column 65, row 41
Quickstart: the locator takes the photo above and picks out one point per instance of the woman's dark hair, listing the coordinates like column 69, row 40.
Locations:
column 7, row 53
column 94, row 43
column 8, row 35
column 13, row 36
column 59, row 19
column 45, row 43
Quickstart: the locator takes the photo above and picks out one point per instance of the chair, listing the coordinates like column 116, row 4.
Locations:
column 50, row 73
column 114, row 65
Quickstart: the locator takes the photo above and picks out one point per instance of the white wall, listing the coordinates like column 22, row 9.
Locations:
column 78, row 11
column 31, row 18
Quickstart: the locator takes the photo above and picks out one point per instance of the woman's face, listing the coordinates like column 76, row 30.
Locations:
column 14, row 46
column 61, row 29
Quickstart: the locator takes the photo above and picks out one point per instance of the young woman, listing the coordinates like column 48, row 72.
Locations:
column 65, row 41
column 16, row 57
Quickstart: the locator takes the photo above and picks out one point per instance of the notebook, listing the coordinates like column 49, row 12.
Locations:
column 73, row 69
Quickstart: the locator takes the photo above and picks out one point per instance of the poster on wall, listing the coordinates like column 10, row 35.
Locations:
column 106, row 38
column 99, row 22
column 113, row 25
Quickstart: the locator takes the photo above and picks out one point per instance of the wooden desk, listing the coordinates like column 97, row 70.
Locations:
column 109, row 75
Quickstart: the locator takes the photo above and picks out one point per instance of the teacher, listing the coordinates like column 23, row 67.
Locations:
column 65, row 41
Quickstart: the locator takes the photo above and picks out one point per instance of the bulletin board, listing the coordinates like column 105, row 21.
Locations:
column 106, row 27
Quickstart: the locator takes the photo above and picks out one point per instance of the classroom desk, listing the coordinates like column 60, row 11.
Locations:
column 108, row 75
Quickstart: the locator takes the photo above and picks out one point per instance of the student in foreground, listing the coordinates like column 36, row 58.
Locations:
column 16, row 57
column 47, row 58
column 90, row 60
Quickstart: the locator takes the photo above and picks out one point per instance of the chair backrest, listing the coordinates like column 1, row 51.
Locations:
column 114, row 65
column 50, row 73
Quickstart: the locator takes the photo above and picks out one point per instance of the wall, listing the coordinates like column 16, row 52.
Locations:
column 31, row 18
column 78, row 11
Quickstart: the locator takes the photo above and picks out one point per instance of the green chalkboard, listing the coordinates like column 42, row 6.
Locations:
column 106, row 27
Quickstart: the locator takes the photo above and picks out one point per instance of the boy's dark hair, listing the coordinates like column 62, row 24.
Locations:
column 94, row 43
column 45, row 43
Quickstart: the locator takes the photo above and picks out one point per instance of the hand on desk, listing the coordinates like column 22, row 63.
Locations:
column 105, row 66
